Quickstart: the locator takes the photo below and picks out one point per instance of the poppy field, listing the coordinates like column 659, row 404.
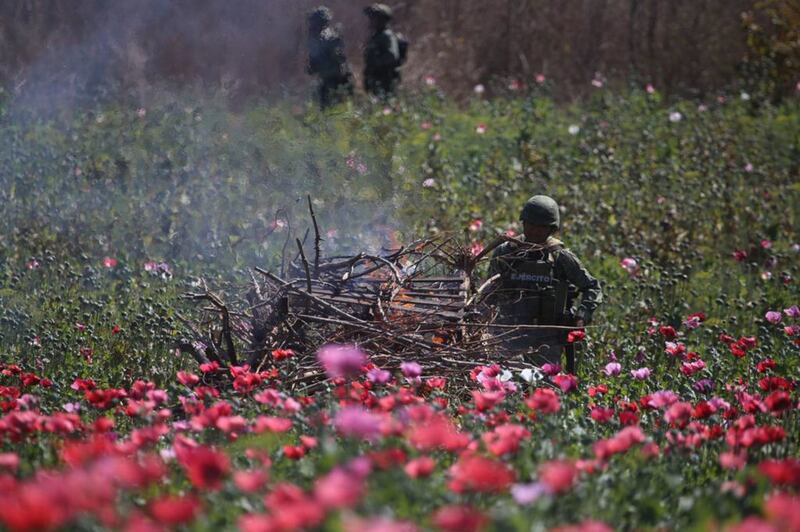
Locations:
column 683, row 414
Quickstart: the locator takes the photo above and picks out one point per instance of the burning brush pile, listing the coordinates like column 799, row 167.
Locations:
column 421, row 302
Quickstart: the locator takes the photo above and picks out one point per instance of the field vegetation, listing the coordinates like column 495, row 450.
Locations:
column 684, row 410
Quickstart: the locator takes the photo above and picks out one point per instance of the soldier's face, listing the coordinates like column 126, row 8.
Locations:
column 536, row 233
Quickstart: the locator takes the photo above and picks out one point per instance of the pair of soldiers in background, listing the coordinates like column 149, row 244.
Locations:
column 384, row 54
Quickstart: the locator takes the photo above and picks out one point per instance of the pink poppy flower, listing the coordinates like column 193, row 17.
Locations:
column 357, row 422
column 341, row 360
column 528, row 493
column 420, row 467
column 340, row 488
column 558, row 475
column 411, row 370
column 630, row 265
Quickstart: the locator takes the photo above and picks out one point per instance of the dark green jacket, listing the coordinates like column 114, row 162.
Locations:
column 326, row 56
column 382, row 55
column 508, row 260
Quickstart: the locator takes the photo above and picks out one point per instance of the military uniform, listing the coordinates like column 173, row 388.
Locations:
column 327, row 60
column 384, row 53
column 538, row 285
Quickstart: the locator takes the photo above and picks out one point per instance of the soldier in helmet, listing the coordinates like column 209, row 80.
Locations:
column 535, row 282
column 384, row 53
column 326, row 58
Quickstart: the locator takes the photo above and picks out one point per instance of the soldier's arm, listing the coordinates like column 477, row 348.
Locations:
column 313, row 58
column 588, row 286
column 496, row 266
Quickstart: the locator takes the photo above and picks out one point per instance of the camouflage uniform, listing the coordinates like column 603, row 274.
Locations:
column 384, row 53
column 537, row 285
column 326, row 59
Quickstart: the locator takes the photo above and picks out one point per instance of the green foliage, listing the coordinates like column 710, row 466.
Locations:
column 213, row 192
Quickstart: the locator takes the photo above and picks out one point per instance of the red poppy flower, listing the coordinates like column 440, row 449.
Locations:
column 576, row 336
column 782, row 472
column 459, row 519
column 272, row 424
column 292, row 509
column 765, row 365
column 478, row 474
column 282, row 354
column 294, row 452
column 602, row 415
column 388, row 458
column 778, row 401
column 544, row 400
column 678, row 414
column 585, row 526
column 436, row 432
column 340, row 488
column 205, row 467
column 487, row 400
column 174, row 510
column 558, row 475
column 667, row 331
column 567, row 383
column 420, row 467
column 783, row 510
column 250, row 481
column 505, row 439
column 187, row 379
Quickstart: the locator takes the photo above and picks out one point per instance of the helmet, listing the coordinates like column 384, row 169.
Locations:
column 321, row 15
column 380, row 11
column 541, row 210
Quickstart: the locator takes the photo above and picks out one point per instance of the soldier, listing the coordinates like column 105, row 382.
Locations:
column 535, row 282
column 326, row 58
column 384, row 53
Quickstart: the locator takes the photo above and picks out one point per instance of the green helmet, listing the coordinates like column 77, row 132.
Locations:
column 541, row 210
column 379, row 11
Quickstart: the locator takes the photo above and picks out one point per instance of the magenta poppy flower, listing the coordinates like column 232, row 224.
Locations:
column 773, row 316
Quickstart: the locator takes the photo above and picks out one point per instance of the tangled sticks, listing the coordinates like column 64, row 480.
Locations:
column 419, row 302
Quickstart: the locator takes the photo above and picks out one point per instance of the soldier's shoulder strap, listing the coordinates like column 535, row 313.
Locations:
column 331, row 35
column 504, row 248
column 553, row 248
column 553, row 243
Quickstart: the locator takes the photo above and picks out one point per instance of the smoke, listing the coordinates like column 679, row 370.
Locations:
column 149, row 136
column 89, row 48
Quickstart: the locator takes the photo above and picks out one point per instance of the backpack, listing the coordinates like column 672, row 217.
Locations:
column 402, row 48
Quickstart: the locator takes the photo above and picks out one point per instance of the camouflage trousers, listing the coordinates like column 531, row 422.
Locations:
column 383, row 85
column 334, row 90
